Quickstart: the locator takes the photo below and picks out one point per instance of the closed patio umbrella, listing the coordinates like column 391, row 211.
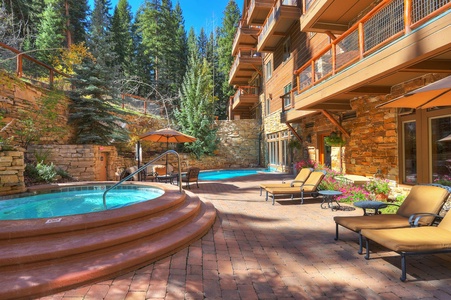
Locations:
column 167, row 135
column 435, row 94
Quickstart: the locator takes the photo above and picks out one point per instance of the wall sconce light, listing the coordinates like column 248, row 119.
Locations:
column 309, row 138
column 270, row 96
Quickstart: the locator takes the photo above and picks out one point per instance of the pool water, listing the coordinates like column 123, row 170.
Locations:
column 72, row 202
column 227, row 174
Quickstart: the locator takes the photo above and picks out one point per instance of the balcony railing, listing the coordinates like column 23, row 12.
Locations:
column 243, row 53
column 274, row 15
column 389, row 20
column 244, row 91
column 244, row 29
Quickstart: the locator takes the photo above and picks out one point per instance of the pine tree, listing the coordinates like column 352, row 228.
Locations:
column 76, row 21
column 226, row 35
column 123, row 37
column 94, row 111
column 195, row 115
column 50, row 32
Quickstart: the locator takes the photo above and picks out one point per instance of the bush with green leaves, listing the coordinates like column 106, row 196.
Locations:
column 46, row 172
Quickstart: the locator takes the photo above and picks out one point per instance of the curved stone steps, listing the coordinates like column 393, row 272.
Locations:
column 104, row 259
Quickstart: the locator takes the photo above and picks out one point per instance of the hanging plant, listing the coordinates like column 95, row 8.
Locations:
column 334, row 140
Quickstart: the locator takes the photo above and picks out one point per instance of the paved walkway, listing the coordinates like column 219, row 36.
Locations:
column 287, row 251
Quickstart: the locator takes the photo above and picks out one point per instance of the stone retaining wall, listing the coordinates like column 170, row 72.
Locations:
column 12, row 167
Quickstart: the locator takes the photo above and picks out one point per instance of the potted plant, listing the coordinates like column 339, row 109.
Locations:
column 334, row 140
column 380, row 188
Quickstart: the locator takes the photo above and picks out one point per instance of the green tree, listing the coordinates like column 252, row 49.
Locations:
column 226, row 35
column 123, row 37
column 50, row 32
column 76, row 21
column 95, row 109
column 195, row 115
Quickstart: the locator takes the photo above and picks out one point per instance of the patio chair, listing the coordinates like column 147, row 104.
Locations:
column 302, row 176
column 422, row 199
column 310, row 186
column 192, row 175
column 412, row 241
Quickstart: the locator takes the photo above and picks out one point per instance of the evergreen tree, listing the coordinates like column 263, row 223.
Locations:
column 50, row 32
column 94, row 110
column 202, row 43
column 195, row 115
column 226, row 35
column 123, row 37
column 76, row 21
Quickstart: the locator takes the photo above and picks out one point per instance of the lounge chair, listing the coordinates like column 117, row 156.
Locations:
column 421, row 199
column 299, row 180
column 192, row 175
column 412, row 241
column 310, row 186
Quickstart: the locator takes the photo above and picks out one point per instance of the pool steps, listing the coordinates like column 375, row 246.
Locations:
column 59, row 258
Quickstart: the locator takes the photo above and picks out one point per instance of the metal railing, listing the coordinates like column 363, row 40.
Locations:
column 142, row 168
column 389, row 20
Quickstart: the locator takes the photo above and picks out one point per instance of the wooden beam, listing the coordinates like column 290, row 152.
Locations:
column 294, row 132
column 332, row 119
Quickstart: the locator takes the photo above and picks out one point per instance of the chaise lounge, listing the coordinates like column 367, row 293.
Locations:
column 422, row 199
column 299, row 180
column 412, row 241
column 310, row 186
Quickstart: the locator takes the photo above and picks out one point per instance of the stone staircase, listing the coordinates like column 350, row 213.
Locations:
column 38, row 260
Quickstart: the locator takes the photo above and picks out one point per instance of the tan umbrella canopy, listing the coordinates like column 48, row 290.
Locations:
column 166, row 135
column 434, row 94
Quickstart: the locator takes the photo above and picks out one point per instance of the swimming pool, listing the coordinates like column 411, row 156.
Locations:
column 73, row 201
column 227, row 174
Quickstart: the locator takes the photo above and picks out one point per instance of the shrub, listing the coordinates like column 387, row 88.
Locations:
column 444, row 180
column 46, row 172
column 378, row 186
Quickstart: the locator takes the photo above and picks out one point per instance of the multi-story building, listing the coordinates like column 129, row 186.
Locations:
column 312, row 69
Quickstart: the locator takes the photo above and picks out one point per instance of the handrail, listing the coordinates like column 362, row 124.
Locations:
column 179, row 180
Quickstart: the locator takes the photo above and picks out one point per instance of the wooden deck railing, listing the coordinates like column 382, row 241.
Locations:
column 388, row 21
column 20, row 56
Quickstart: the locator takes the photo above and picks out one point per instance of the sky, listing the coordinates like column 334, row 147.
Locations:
column 197, row 13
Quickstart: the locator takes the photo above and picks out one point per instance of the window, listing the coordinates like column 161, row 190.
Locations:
column 409, row 149
column 267, row 106
column 287, row 96
column 286, row 49
column 440, row 156
column 278, row 148
column 268, row 70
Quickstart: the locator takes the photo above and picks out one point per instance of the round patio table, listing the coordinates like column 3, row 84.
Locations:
column 369, row 204
column 328, row 197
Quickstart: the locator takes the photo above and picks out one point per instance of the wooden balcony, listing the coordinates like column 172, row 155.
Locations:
column 245, row 97
column 282, row 16
column 245, row 37
column 247, row 62
column 258, row 10
column 334, row 16
column 397, row 41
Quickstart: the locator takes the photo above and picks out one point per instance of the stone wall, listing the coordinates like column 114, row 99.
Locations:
column 12, row 167
column 82, row 162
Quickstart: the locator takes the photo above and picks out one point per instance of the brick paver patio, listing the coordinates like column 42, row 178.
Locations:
column 287, row 251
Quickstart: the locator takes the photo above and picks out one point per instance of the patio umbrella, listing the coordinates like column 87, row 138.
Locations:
column 167, row 135
column 435, row 94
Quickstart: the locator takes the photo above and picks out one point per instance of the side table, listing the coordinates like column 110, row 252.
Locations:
column 375, row 205
column 166, row 178
column 329, row 197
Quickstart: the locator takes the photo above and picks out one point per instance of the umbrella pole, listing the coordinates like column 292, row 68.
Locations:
column 167, row 148
column 138, row 154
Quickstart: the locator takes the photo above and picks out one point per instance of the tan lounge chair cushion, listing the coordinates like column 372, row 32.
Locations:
column 423, row 199
column 429, row 238
column 290, row 190
column 298, row 181
column 356, row 223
